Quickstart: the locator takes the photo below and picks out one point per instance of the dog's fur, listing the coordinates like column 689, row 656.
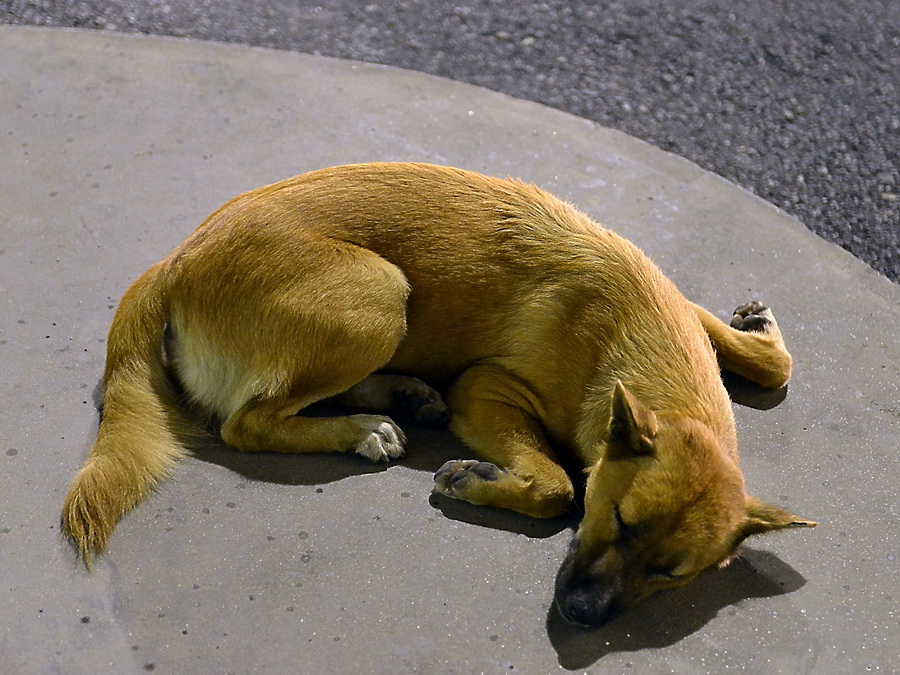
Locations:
column 549, row 330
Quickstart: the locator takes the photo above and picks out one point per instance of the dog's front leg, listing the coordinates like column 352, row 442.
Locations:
column 751, row 346
column 493, row 414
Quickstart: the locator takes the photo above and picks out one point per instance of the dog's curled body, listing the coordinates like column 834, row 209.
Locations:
column 546, row 329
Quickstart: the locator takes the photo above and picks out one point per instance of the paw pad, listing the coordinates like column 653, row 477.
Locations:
column 428, row 409
column 752, row 317
column 455, row 476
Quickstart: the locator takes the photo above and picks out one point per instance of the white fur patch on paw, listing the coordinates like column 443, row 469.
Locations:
column 383, row 444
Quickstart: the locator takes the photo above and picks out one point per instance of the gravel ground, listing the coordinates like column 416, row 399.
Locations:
column 797, row 101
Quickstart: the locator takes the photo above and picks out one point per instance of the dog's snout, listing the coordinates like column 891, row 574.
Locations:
column 585, row 596
column 591, row 604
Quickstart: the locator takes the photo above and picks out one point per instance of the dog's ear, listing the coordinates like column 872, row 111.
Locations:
column 632, row 426
column 762, row 517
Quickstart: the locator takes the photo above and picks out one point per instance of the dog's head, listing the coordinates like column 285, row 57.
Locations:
column 663, row 504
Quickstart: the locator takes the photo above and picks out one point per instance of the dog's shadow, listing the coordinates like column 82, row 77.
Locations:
column 747, row 393
column 662, row 620
column 666, row 618
column 428, row 449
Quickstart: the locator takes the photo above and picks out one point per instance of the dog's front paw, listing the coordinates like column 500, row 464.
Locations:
column 760, row 355
column 384, row 443
column 458, row 477
column 753, row 317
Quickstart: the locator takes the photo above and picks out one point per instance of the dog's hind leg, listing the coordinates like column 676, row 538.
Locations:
column 275, row 426
column 520, row 472
column 299, row 334
column 751, row 346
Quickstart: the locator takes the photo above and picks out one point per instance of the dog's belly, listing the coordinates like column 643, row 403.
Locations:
column 218, row 384
column 443, row 338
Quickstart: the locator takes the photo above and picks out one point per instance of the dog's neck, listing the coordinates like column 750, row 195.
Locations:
column 668, row 397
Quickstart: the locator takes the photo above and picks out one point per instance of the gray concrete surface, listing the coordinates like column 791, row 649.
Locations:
column 114, row 148
column 796, row 101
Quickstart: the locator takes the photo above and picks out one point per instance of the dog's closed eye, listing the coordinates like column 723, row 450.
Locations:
column 627, row 533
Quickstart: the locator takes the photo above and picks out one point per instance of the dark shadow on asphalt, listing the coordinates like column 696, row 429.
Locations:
column 502, row 519
column 744, row 392
column 666, row 618
column 426, row 450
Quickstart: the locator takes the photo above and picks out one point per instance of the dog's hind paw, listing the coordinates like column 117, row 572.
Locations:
column 399, row 394
column 429, row 410
column 422, row 403
column 753, row 317
column 384, row 443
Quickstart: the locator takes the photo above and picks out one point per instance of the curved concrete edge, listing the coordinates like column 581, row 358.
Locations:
column 115, row 147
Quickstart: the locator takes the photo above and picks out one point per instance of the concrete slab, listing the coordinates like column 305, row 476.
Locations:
column 115, row 148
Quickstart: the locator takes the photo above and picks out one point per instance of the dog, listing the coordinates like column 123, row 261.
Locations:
column 550, row 335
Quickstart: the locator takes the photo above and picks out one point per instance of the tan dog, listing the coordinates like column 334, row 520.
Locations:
column 547, row 328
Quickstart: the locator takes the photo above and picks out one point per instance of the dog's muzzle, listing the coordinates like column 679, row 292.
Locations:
column 587, row 594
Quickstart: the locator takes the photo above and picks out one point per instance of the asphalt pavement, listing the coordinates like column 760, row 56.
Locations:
column 796, row 101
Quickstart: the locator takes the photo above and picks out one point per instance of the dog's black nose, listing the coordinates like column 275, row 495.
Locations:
column 589, row 589
column 586, row 606
column 585, row 596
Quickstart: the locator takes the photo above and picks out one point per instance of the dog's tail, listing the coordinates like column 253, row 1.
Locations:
column 138, row 439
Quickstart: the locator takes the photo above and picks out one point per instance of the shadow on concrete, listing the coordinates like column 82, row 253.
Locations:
column 666, row 618
column 426, row 450
column 744, row 392
column 502, row 519
column 271, row 467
